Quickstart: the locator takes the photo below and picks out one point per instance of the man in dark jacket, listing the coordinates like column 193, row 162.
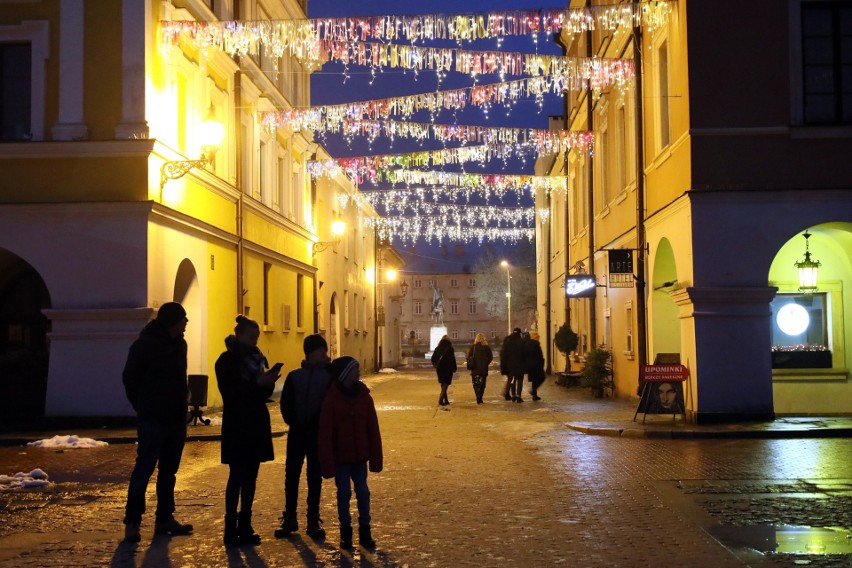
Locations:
column 301, row 401
column 155, row 383
column 513, row 364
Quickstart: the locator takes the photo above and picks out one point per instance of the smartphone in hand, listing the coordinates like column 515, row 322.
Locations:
column 276, row 368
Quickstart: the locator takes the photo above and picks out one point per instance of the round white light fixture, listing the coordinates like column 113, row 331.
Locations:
column 793, row 319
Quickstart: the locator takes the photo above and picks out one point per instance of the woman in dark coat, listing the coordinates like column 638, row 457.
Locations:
column 444, row 361
column 479, row 357
column 245, row 385
column 534, row 364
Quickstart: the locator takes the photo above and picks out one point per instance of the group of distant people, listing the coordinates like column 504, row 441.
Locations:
column 520, row 355
column 333, row 426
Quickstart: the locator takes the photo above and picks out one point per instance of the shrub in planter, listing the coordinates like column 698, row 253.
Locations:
column 565, row 341
column 597, row 373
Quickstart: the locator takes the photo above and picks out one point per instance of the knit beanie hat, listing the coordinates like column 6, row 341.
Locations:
column 314, row 342
column 170, row 313
column 340, row 367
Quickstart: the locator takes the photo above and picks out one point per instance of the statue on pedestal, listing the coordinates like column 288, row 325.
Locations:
column 437, row 305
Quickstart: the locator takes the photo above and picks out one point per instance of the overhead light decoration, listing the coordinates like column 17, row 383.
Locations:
column 808, row 269
column 304, row 38
column 543, row 215
column 473, row 215
column 458, row 195
column 409, row 229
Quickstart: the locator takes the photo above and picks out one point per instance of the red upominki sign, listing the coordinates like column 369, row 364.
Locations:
column 664, row 373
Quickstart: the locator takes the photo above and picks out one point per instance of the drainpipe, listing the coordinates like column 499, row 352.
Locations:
column 590, row 121
column 238, row 147
column 547, row 301
column 641, row 243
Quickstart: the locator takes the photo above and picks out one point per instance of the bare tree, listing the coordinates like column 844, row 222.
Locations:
column 491, row 285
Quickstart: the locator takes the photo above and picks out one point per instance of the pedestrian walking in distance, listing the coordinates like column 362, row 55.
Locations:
column 245, row 382
column 444, row 361
column 349, row 440
column 155, row 383
column 479, row 356
column 534, row 364
column 301, row 402
column 513, row 364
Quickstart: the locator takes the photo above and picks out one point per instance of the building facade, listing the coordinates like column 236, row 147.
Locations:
column 106, row 210
column 463, row 314
column 729, row 146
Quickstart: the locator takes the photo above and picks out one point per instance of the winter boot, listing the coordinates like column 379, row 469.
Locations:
column 315, row 530
column 131, row 532
column 365, row 539
column 172, row 527
column 232, row 537
column 289, row 524
column 346, row 537
column 245, row 531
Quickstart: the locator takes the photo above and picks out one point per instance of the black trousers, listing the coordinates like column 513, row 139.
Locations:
column 479, row 386
column 160, row 447
column 302, row 446
column 242, row 482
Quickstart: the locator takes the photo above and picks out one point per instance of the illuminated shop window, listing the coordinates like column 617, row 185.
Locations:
column 799, row 320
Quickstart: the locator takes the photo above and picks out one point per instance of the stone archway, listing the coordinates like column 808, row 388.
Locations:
column 810, row 337
column 665, row 337
column 24, row 348
column 188, row 293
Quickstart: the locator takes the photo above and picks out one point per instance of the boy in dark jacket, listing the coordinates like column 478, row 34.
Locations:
column 155, row 383
column 349, row 438
column 301, row 401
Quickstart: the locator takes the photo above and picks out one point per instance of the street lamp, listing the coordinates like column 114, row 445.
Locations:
column 210, row 133
column 505, row 265
column 807, row 269
column 337, row 230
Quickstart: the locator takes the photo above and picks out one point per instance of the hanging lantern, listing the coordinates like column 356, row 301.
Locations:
column 808, row 269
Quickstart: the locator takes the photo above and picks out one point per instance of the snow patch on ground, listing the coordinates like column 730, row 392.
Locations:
column 35, row 478
column 71, row 442
column 387, row 370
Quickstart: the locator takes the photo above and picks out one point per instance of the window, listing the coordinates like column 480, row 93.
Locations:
column 664, row 132
column 454, row 334
column 418, row 307
column 419, row 334
column 472, row 306
column 471, row 283
column 15, row 92
column 300, row 298
column 471, row 334
column 346, row 309
column 604, row 184
column 493, row 334
column 431, row 282
column 799, row 320
column 827, row 62
column 418, row 283
column 454, row 307
column 263, row 182
column 454, row 283
column 621, row 159
column 364, row 316
column 266, row 269
column 628, row 316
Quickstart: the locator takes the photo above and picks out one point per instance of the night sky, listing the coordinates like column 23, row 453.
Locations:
column 331, row 86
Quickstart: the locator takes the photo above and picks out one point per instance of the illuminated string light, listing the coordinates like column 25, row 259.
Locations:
column 302, row 38
column 503, row 93
column 413, row 228
column 367, row 167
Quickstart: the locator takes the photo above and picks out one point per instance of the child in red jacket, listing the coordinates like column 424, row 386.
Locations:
column 349, row 438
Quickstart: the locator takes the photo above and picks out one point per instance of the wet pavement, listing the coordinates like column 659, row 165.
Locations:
column 498, row 484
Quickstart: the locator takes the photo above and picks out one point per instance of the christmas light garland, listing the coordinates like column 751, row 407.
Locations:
column 393, row 129
column 384, row 198
column 473, row 215
column 367, row 167
column 503, row 92
column 595, row 71
column 302, row 38
column 414, row 228
column 506, row 182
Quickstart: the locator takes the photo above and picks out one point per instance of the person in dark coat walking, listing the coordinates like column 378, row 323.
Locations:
column 534, row 364
column 444, row 361
column 481, row 356
column 513, row 364
column 245, row 384
column 155, row 383
column 301, row 402
column 349, row 438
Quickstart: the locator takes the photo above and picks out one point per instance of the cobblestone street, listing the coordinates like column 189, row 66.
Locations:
column 499, row 484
